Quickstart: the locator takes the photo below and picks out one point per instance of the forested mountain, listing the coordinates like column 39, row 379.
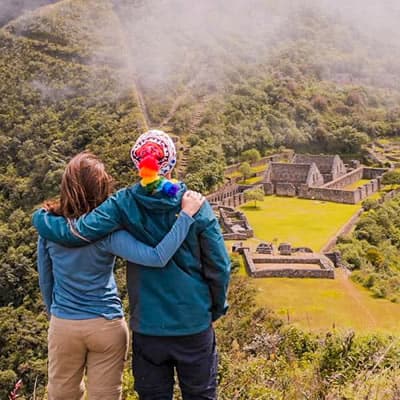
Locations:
column 60, row 95
column 94, row 74
column 11, row 9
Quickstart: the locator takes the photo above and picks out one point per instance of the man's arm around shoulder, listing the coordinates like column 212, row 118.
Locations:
column 88, row 228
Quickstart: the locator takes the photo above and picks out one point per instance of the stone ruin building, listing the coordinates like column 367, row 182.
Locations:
column 234, row 223
column 331, row 167
column 286, row 179
column 318, row 177
column 285, row 262
column 321, row 177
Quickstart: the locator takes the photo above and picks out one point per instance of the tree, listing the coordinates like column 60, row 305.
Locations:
column 254, row 195
column 251, row 155
column 245, row 170
column 391, row 178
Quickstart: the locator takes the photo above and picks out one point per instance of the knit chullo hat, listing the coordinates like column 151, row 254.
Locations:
column 154, row 154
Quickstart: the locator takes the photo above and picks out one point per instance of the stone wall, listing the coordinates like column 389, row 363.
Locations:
column 330, row 166
column 285, row 189
column 373, row 173
column 345, row 230
column 229, row 195
column 296, row 273
column 332, row 191
column 315, row 259
column 287, row 173
column 335, row 195
column 248, row 262
column 390, row 195
column 314, row 177
column 235, row 236
column 346, row 180
column 235, row 222
column 268, row 188
column 327, row 270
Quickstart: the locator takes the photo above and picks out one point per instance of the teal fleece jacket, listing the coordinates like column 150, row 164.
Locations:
column 184, row 297
column 79, row 283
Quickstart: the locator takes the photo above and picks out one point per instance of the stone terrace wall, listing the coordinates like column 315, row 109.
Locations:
column 229, row 195
column 346, row 229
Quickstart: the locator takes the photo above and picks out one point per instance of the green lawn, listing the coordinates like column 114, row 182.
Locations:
column 315, row 304
column 355, row 185
column 259, row 168
column 301, row 222
column 320, row 304
column 252, row 181
column 235, row 174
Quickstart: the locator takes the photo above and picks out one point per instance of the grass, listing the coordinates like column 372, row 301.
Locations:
column 376, row 196
column 301, row 222
column 315, row 304
column 252, row 181
column 235, row 174
column 325, row 303
column 390, row 140
column 355, row 185
column 259, row 168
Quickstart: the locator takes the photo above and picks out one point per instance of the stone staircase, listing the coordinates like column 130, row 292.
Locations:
column 199, row 112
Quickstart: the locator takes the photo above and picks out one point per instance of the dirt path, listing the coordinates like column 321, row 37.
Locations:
column 179, row 100
column 142, row 104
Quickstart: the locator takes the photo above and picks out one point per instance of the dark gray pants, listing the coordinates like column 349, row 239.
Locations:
column 194, row 357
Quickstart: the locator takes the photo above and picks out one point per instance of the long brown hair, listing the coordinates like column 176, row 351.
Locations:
column 85, row 185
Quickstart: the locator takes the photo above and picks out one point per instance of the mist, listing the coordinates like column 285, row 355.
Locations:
column 10, row 9
column 202, row 44
column 189, row 38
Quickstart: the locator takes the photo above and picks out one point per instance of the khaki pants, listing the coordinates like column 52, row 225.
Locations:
column 98, row 345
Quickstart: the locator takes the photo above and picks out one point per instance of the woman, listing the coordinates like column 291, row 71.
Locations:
column 87, row 329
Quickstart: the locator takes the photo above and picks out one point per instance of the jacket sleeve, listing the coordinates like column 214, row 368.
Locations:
column 215, row 261
column 45, row 269
column 123, row 244
column 90, row 227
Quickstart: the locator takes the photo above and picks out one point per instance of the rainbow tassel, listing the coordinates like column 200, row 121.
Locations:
column 152, row 182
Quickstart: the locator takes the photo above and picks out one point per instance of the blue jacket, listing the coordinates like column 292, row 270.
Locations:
column 180, row 299
column 78, row 283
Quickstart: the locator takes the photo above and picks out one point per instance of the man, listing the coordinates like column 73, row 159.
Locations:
column 171, row 309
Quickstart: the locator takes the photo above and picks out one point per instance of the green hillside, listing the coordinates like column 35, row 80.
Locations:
column 59, row 96
column 94, row 74
column 298, row 78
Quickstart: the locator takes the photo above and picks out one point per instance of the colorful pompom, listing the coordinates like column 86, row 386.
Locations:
column 149, row 162
column 170, row 189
